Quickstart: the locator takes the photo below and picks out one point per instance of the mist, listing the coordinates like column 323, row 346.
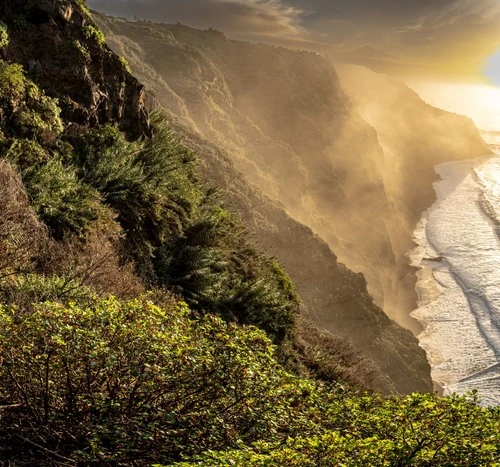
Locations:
column 446, row 38
column 339, row 146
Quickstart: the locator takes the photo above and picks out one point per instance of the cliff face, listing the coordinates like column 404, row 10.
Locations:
column 352, row 158
column 281, row 118
column 64, row 53
column 334, row 298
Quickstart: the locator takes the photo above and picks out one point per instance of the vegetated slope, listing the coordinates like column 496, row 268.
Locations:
column 303, row 137
column 82, row 176
column 334, row 298
column 106, row 210
column 142, row 378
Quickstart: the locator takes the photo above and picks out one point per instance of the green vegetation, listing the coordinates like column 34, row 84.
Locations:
column 91, row 32
column 125, row 63
column 179, row 233
column 84, row 7
column 4, row 36
column 132, row 382
column 27, row 110
column 131, row 378
column 83, row 50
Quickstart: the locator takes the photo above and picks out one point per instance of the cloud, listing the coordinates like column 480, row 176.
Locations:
column 239, row 18
column 423, row 30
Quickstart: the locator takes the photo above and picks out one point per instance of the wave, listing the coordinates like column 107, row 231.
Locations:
column 489, row 199
column 459, row 278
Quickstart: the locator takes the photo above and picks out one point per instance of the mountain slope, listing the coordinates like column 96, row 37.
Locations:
column 334, row 298
column 300, row 135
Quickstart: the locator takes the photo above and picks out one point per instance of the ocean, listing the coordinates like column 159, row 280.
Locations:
column 458, row 256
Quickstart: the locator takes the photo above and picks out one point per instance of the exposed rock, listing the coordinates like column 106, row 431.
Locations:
column 62, row 51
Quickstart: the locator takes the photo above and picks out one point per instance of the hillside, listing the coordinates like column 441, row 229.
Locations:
column 325, row 286
column 343, row 153
column 139, row 322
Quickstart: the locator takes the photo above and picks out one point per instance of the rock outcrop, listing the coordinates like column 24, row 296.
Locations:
column 63, row 52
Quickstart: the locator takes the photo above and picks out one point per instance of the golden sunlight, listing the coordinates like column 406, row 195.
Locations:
column 481, row 102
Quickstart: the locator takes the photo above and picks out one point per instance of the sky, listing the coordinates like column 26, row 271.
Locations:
column 454, row 35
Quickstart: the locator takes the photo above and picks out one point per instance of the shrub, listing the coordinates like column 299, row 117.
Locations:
column 179, row 232
column 125, row 64
column 27, row 110
column 60, row 199
column 215, row 268
column 91, row 32
column 82, row 50
column 127, row 381
column 25, row 290
column 421, row 430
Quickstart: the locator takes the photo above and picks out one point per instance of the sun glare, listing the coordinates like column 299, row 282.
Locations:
column 479, row 101
column 492, row 68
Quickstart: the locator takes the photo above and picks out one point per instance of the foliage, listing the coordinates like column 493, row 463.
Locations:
column 28, row 289
column 91, row 32
column 28, row 112
column 84, row 7
column 132, row 382
column 423, row 430
column 146, row 183
column 61, row 201
column 125, row 63
column 4, row 36
column 178, row 231
column 82, row 50
column 121, row 381
column 215, row 268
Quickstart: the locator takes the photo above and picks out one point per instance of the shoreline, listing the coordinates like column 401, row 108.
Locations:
column 430, row 288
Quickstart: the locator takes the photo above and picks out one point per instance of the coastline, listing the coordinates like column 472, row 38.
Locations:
column 446, row 305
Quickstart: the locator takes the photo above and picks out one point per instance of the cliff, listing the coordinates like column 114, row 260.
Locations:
column 351, row 157
column 126, row 203
column 94, row 370
column 64, row 53
column 299, row 139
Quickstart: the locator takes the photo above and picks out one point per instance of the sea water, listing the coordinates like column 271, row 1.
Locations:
column 458, row 256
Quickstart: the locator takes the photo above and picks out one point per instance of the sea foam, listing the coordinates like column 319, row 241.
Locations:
column 458, row 256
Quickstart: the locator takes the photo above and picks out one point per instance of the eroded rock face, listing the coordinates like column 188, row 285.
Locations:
column 62, row 51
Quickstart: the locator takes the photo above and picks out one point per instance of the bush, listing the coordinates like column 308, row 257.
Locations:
column 215, row 268
column 178, row 231
column 422, row 430
column 91, row 32
column 149, row 184
column 127, row 381
column 60, row 199
column 27, row 110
